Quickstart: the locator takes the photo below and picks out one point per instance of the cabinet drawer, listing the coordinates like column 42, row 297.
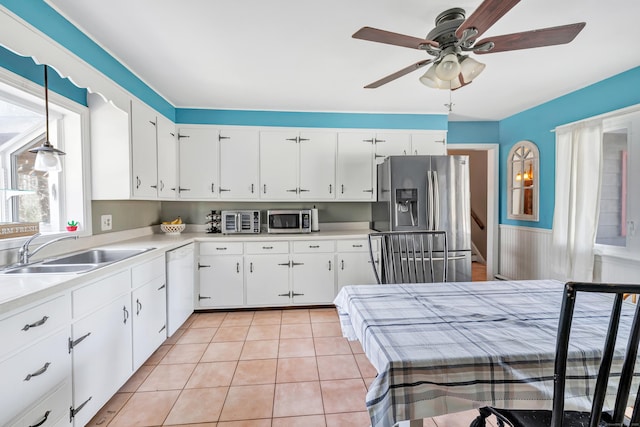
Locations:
column 27, row 326
column 356, row 245
column 32, row 373
column 141, row 274
column 52, row 411
column 267, row 247
column 221, row 248
column 313, row 246
column 87, row 299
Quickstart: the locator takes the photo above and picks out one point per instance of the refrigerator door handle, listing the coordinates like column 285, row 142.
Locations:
column 436, row 200
column 428, row 201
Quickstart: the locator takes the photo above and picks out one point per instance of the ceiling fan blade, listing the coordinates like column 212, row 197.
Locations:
column 534, row 38
column 485, row 16
column 398, row 74
column 382, row 36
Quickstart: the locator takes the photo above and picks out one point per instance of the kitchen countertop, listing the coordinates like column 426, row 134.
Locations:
column 17, row 290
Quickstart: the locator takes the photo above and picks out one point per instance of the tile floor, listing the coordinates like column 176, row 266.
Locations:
column 275, row 368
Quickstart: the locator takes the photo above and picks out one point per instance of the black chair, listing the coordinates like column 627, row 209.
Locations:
column 558, row 417
column 409, row 256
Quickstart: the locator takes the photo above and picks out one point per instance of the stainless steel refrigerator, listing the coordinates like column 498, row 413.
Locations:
column 428, row 193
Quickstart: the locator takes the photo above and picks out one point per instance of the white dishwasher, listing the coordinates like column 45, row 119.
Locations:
column 180, row 284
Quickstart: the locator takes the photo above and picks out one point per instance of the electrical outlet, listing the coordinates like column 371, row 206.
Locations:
column 106, row 222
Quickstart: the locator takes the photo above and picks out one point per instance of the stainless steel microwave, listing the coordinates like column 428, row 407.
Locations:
column 245, row 221
column 289, row 221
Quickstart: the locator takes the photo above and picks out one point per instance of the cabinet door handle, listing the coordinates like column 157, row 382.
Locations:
column 203, row 266
column 162, row 287
column 237, row 267
column 251, row 188
column 250, row 267
column 35, row 324
column 42, row 421
column 330, row 189
column 341, row 264
column 138, row 182
column 125, row 313
column 38, row 372
column 264, row 189
column 415, row 152
column 73, row 343
column 152, row 122
column 212, row 188
column 139, row 307
column 329, row 265
column 161, row 185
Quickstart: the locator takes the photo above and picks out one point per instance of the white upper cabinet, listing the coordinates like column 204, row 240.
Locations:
column 279, row 165
column 167, row 158
column 390, row 144
column 317, row 179
column 297, row 165
column 198, row 163
column 355, row 167
column 144, row 151
column 239, row 154
column 429, row 143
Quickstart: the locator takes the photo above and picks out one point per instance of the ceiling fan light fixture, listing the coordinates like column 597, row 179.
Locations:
column 431, row 80
column 448, row 68
column 470, row 69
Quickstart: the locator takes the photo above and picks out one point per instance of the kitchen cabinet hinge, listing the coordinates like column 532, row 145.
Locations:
column 73, row 343
column 73, row 411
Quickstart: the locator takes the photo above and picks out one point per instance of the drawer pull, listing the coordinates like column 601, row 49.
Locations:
column 72, row 344
column 267, row 247
column 38, row 372
column 35, row 324
column 221, row 249
column 357, row 246
column 314, row 246
column 42, row 421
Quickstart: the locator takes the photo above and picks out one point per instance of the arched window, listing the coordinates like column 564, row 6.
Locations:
column 523, row 170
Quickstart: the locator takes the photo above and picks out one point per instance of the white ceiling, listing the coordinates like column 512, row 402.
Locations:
column 297, row 55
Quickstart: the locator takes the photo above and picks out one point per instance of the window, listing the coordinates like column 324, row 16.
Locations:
column 26, row 195
column 523, row 181
column 619, row 205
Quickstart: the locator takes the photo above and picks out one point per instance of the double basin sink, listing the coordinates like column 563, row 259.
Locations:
column 80, row 262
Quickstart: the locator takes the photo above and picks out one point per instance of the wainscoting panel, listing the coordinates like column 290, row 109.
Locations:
column 613, row 269
column 524, row 252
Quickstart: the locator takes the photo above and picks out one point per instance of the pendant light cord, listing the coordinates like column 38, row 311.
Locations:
column 46, row 104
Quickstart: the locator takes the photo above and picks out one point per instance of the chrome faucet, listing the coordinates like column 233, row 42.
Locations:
column 24, row 254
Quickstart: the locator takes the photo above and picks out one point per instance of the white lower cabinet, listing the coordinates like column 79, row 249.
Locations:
column 268, row 279
column 220, row 275
column 51, row 411
column 149, row 305
column 354, row 263
column 312, row 278
column 102, row 354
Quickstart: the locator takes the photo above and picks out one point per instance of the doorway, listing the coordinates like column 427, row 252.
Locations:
column 483, row 171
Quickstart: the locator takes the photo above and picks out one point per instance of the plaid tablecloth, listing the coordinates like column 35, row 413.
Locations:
column 446, row 347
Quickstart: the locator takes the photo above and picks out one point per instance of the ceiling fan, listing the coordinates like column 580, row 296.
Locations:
column 454, row 36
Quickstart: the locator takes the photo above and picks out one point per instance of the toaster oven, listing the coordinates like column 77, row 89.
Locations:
column 244, row 221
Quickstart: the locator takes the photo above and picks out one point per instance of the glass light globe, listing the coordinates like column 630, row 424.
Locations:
column 448, row 68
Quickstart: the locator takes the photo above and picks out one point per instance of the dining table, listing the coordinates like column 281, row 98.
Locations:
column 441, row 348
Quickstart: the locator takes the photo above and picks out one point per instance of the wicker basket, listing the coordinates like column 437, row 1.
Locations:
column 172, row 228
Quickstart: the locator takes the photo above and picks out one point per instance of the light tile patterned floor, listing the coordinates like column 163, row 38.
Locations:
column 274, row 368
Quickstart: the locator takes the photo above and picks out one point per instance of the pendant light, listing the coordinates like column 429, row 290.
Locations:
column 47, row 156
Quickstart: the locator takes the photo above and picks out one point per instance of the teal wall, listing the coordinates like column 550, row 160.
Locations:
column 536, row 124
column 473, row 133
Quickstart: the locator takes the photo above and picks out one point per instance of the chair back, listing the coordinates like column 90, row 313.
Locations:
column 409, row 256
column 572, row 289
